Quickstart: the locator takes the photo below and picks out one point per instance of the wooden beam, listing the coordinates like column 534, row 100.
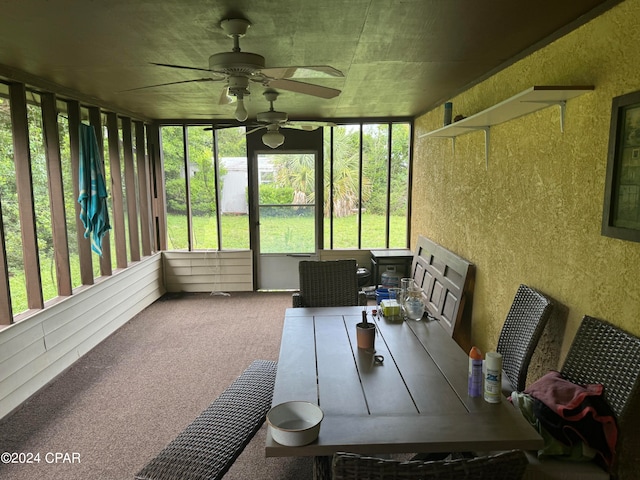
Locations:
column 143, row 189
column 95, row 119
column 116, row 191
column 24, row 184
column 130, row 189
column 157, row 187
column 56, row 193
column 84, row 245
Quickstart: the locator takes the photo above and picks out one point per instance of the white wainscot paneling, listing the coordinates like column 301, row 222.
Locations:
column 209, row 271
column 37, row 349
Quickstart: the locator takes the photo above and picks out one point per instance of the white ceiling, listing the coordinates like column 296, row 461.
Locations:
column 399, row 57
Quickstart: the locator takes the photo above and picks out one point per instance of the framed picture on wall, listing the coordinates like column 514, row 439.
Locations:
column 621, row 212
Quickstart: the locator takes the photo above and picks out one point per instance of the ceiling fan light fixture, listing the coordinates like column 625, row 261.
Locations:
column 273, row 138
column 241, row 113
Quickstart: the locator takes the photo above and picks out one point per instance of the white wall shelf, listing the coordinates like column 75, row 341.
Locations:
column 524, row 103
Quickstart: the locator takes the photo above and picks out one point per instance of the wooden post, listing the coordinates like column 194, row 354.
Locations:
column 84, row 244
column 24, row 184
column 56, row 193
column 116, row 191
column 130, row 189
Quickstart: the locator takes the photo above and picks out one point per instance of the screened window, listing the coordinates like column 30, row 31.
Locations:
column 43, row 246
column 366, row 178
column 175, row 173
column 10, row 212
column 41, row 201
column 206, row 183
column 233, row 174
column 366, row 187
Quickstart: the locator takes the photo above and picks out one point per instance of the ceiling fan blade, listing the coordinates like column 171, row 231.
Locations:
column 221, row 126
column 307, row 71
column 254, row 130
column 306, row 128
column 225, row 98
column 306, row 88
column 170, row 83
column 182, row 67
column 309, row 126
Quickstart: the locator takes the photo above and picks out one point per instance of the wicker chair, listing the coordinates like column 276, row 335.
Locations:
column 331, row 283
column 520, row 334
column 603, row 353
column 509, row 465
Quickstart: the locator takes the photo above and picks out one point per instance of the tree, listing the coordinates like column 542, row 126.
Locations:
column 375, row 151
column 232, row 142
column 8, row 192
column 346, row 167
column 298, row 173
column 201, row 170
column 8, row 187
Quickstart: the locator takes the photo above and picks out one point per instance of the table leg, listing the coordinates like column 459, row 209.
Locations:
column 322, row 468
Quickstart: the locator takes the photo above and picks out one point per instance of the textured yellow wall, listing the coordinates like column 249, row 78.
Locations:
column 534, row 214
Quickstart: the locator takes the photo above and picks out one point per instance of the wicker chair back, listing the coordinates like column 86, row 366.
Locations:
column 328, row 283
column 521, row 332
column 603, row 353
column 509, row 465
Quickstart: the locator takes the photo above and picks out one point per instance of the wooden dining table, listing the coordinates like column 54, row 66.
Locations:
column 416, row 400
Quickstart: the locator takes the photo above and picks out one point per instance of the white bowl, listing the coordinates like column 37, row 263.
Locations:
column 295, row 423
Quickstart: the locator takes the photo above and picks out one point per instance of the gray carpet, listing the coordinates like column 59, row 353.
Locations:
column 125, row 400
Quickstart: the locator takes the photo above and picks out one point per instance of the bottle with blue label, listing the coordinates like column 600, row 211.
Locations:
column 475, row 372
column 493, row 377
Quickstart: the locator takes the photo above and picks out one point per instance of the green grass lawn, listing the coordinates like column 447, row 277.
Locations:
column 286, row 234
column 278, row 235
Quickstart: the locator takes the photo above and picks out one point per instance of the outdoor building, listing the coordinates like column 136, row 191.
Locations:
column 234, row 194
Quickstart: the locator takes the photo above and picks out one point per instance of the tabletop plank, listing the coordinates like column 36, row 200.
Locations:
column 296, row 356
column 414, row 433
column 430, row 390
column 339, row 388
column 451, row 360
column 383, row 385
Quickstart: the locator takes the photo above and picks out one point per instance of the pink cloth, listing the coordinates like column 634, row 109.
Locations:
column 561, row 395
column 573, row 403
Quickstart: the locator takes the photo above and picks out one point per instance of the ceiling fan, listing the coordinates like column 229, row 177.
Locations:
column 237, row 68
column 273, row 121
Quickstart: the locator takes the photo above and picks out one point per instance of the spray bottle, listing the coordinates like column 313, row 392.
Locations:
column 475, row 372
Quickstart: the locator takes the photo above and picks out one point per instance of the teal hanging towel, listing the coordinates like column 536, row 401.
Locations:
column 93, row 190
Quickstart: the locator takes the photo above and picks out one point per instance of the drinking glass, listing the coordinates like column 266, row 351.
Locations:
column 405, row 284
column 414, row 303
